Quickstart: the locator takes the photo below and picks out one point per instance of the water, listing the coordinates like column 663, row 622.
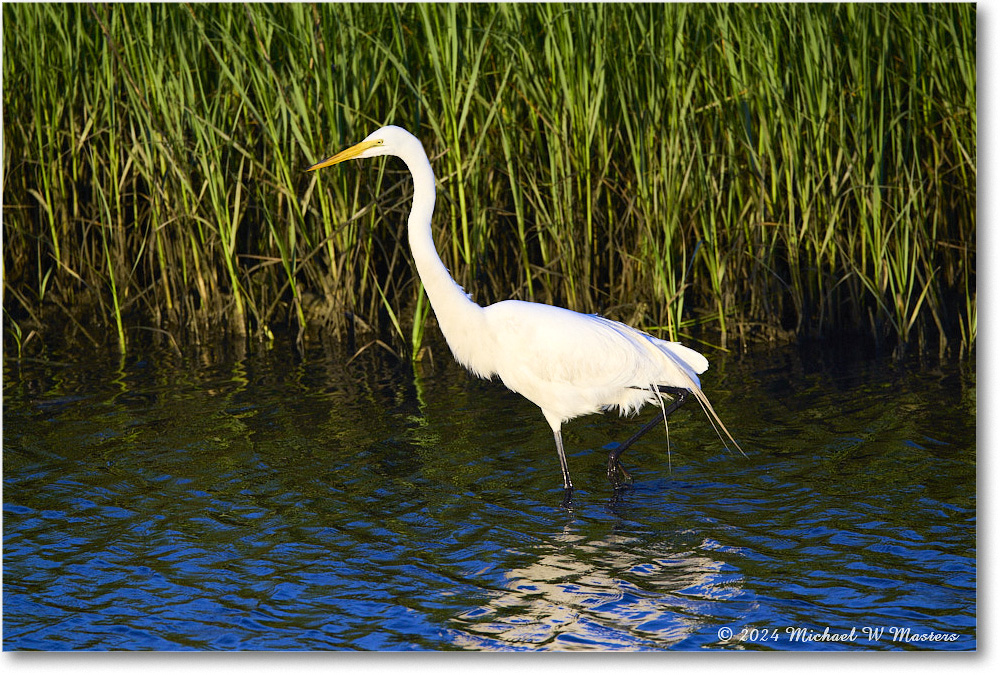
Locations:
column 281, row 502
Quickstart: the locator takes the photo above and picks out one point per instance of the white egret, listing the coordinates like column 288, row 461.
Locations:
column 568, row 364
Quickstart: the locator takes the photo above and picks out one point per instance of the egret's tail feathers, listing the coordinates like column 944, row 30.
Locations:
column 692, row 360
column 706, row 405
column 666, row 425
column 713, row 417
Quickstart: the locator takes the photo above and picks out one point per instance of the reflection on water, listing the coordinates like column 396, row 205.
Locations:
column 278, row 502
column 566, row 601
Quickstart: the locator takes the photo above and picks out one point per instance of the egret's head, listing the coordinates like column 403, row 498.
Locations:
column 385, row 141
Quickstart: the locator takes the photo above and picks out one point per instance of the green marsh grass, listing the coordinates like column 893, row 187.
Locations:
column 715, row 172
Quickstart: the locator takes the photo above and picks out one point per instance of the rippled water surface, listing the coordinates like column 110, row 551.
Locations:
column 276, row 501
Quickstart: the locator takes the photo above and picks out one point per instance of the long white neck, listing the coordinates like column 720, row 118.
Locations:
column 462, row 321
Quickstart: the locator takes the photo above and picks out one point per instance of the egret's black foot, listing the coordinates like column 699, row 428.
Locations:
column 567, row 498
column 617, row 500
column 617, row 474
column 619, row 477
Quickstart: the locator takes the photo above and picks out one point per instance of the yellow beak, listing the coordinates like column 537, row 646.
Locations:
column 343, row 155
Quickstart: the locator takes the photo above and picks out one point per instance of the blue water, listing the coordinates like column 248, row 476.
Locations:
column 278, row 501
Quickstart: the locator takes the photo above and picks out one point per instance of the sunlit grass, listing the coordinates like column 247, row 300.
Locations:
column 751, row 172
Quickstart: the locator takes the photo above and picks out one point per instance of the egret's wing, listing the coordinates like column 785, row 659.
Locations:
column 568, row 347
column 572, row 364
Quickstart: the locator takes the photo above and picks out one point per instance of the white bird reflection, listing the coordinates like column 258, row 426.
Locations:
column 609, row 594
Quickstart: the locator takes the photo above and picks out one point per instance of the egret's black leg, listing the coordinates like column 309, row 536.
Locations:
column 614, row 466
column 567, row 483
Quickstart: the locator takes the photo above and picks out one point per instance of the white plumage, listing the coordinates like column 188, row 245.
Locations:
column 572, row 364
column 568, row 364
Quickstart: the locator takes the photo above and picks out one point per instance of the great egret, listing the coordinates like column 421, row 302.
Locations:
column 568, row 364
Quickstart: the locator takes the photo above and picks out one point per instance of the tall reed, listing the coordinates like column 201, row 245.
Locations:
column 743, row 172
